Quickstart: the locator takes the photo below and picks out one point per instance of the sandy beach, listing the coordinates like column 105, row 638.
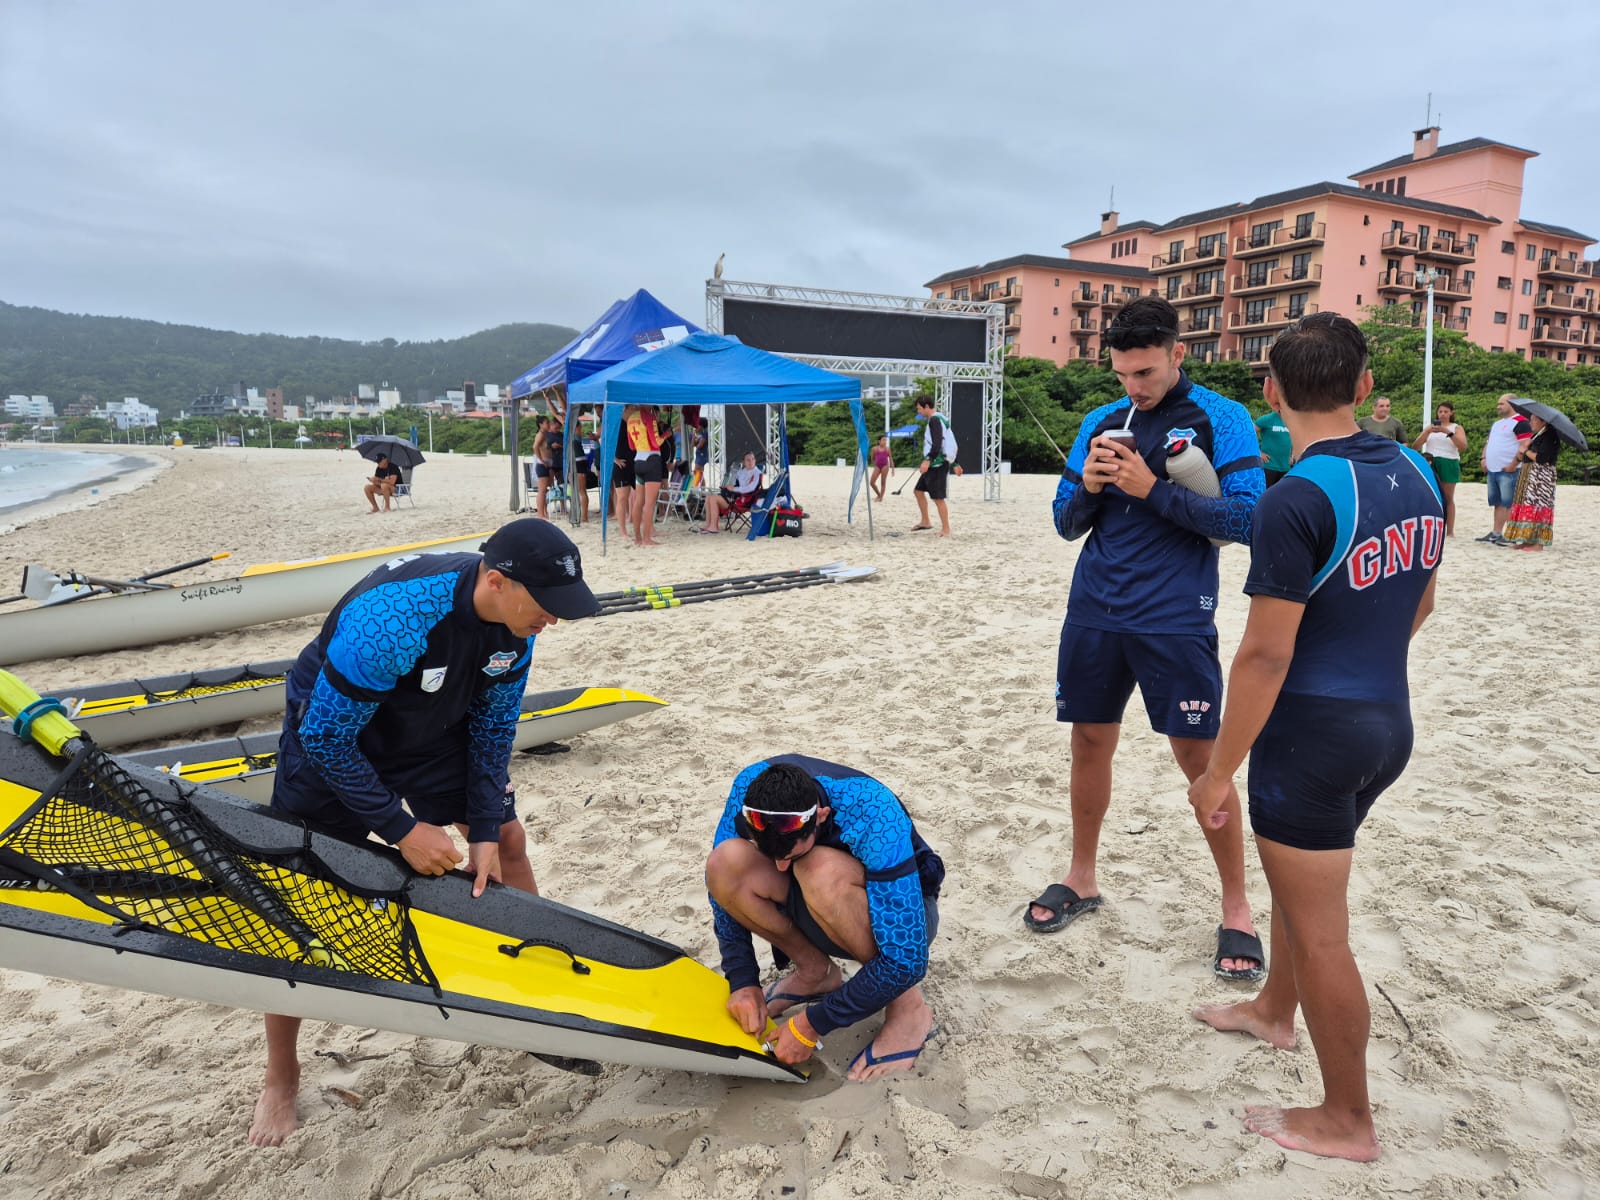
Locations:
column 1067, row 1065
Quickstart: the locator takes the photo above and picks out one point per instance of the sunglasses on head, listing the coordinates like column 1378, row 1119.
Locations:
column 780, row 823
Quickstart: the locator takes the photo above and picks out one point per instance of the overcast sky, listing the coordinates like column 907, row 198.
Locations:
column 366, row 169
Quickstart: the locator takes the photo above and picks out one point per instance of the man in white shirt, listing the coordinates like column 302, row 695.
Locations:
column 938, row 458
column 1500, row 463
column 738, row 493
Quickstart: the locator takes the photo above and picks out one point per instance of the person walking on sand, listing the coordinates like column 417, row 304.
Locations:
column 822, row 861
column 1342, row 575
column 882, row 468
column 938, row 459
column 1143, row 600
column 400, row 720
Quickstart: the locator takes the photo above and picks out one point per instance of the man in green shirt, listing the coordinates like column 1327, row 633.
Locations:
column 1275, row 447
column 1382, row 424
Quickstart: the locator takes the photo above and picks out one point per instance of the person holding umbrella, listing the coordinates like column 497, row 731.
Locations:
column 395, row 458
column 382, row 482
column 1533, row 509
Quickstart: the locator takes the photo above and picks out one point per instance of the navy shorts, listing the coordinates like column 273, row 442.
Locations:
column 299, row 791
column 1177, row 673
column 622, row 476
column 794, row 907
column 1319, row 765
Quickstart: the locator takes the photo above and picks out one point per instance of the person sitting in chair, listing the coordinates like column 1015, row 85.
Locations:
column 746, row 482
column 382, row 482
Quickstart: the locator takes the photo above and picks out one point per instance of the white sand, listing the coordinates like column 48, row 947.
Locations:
column 1068, row 1065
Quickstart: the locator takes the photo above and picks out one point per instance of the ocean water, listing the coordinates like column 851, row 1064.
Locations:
column 29, row 475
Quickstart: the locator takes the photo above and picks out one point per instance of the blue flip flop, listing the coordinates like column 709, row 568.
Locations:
column 789, row 999
column 874, row 1060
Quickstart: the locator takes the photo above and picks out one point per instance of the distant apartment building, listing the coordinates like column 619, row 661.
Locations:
column 1240, row 273
column 219, row 404
column 128, row 413
column 30, row 408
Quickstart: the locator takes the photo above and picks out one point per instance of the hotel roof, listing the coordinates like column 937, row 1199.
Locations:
column 1324, row 188
column 1557, row 230
column 1122, row 227
column 1041, row 260
column 1442, row 151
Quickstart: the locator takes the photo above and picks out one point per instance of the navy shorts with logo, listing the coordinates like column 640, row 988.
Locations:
column 299, row 791
column 1318, row 766
column 1177, row 673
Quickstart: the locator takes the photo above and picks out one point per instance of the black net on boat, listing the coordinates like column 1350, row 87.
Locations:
column 155, row 861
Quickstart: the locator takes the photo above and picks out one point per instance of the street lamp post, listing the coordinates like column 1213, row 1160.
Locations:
column 1427, row 275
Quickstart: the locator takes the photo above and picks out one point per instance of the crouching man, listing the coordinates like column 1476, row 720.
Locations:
column 823, row 862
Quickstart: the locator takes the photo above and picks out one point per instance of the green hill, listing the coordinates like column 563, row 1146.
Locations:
column 63, row 355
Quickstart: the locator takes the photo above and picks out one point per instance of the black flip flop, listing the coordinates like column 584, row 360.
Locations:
column 1065, row 903
column 1236, row 943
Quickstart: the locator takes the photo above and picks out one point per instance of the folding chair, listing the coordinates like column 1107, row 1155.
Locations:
column 758, row 516
column 403, row 488
column 737, row 518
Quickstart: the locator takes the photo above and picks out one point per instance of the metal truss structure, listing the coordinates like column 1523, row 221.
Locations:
column 989, row 373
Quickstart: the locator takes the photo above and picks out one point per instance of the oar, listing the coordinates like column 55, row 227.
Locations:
column 188, row 566
column 700, row 589
column 633, row 591
column 757, row 590
column 43, row 582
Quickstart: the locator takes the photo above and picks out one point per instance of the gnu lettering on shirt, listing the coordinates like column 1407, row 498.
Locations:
column 1400, row 547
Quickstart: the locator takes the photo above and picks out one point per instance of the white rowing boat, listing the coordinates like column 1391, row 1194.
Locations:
column 273, row 592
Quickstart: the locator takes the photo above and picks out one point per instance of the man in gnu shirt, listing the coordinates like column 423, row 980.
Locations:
column 1342, row 566
column 1144, row 595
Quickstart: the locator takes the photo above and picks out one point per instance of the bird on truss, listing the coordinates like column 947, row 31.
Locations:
column 716, row 271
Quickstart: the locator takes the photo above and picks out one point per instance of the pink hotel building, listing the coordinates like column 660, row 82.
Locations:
column 1239, row 273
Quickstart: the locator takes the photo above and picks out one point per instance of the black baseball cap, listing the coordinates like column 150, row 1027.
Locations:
column 544, row 560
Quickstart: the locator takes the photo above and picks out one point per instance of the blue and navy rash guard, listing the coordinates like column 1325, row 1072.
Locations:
column 1354, row 532
column 406, row 691
column 871, row 825
column 1148, row 566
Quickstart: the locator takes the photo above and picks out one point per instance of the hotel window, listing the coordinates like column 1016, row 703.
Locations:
column 1055, row 312
column 1297, row 305
column 1302, row 224
column 1135, row 248
column 1508, row 247
column 1175, row 251
column 1058, row 282
column 1255, row 311
column 940, row 296
column 1255, row 348
column 1422, row 237
column 1527, row 287
column 1363, row 260
column 1522, row 320
column 1472, row 244
column 1011, row 285
column 1172, row 286
column 1400, row 187
column 1532, row 251
column 1208, row 317
column 1261, row 235
column 1210, row 244
column 1504, row 283
column 1052, row 339
column 1207, row 283
column 1300, row 266
column 1499, row 318
column 1466, row 313
column 1358, row 299
column 1259, row 274
column 1396, row 226
column 1204, row 351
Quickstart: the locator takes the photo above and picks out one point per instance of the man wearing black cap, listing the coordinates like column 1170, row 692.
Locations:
column 408, row 700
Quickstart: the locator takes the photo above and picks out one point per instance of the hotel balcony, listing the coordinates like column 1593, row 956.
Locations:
column 1554, row 335
column 1397, row 281
column 1194, row 293
column 1448, row 287
column 993, row 292
column 1080, row 354
column 1254, row 245
column 1550, row 301
column 1447, row 249
column 1446, row 321
column 1296, row 236
column 1204, row 356
column 1014, row 318
column 1209, row 327
column 1399, row 241
column 1273, row 318
column 1567, row 266
column 1083, row 325
column 1278, row 278
column 1166, row 262
column 1190, row 256
column 1083, row 297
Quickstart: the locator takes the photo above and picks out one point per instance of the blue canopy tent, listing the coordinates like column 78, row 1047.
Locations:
column 707, row 368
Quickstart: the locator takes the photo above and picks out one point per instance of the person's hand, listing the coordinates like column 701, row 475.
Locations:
column 787, row 1048
column 1129, row 470
column 1100, row 469
column 428, row 849
column 748, row 1006
column 923, row 469
column 959, row 472
column 1266, row 458
column 1207, row 795
column 483, row 860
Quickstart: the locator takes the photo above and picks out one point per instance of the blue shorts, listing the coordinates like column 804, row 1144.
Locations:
column 299, row 791
column 1502, row 488
column 794, row 907
column 1319, row 765
column 1177, row 673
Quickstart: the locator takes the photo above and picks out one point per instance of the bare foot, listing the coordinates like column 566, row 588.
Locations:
column 1316, row 1131
column 903, row 1031
column 1243, row 1018
column 275, row 1117
column 797, row 983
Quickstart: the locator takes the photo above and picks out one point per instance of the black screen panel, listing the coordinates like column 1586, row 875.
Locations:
column 865, row 333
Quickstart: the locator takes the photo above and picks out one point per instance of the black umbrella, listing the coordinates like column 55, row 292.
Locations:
column 1555, row 418
column 400, row 452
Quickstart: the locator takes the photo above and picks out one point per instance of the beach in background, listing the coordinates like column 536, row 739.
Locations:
column 1067, row 1065
column 38, row 480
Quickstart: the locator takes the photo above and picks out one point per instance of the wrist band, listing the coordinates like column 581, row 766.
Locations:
column 800, row 1037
